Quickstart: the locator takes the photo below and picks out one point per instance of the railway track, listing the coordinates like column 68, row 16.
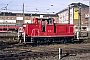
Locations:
column 29, row 54
column 4, row 44
column 11, row 50
column 17, row 53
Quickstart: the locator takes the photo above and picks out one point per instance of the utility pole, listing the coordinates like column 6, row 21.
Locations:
column 79, row 21
column 89, row 22
column 68, row 14
column 79, row 14
column 23, row 13
column 4, row 8
column 4, row 17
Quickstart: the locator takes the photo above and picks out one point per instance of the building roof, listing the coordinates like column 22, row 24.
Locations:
column 72, row 5
column 79, row 4
column 26, row 14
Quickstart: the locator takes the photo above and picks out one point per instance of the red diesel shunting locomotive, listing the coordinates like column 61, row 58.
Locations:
column 44, row 30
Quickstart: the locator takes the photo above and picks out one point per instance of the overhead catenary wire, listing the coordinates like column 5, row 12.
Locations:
column 44, row 7
column 30, row 8
column 5, row 8
column 31, row 11
column 36, row 7
column 9, row 3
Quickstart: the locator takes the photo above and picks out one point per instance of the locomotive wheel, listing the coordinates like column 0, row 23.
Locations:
column 65, row 41
column 20, row 41
column 61, row 41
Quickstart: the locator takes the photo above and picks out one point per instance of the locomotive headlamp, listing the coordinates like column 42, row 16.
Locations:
column 24, row 25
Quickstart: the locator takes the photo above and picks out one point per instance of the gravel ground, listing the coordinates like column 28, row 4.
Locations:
column 83, row 56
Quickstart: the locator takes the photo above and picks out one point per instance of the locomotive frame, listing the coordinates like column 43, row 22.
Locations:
column 44, row 30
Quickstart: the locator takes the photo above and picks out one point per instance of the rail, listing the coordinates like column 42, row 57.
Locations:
column 29, row 54
column 8, row 34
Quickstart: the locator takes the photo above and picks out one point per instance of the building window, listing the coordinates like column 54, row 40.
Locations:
column 70, row 15
column 76, row 27
column 12, row 18
column 82, row 22
column 0, row 17
column 28, row 18
column 84, row 28
column 8, row 17
column 60, row 17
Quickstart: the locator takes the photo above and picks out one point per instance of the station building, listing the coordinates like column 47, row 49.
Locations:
column 71, row 14
column 17, row 18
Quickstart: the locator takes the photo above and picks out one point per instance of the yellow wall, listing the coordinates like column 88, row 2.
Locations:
column 76, row 13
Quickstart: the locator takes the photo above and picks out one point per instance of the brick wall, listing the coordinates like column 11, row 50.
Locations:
column 13, row 16
column 84, row 20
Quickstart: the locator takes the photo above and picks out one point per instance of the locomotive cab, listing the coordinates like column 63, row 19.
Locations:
column 46, row 22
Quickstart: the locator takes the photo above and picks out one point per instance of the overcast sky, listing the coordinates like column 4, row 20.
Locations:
column 42, row 6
